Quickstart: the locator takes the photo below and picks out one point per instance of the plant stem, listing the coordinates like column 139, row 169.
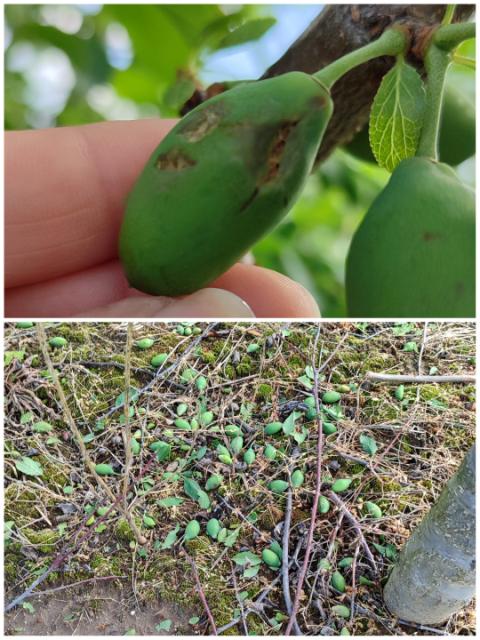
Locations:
column 449, row 13
column 391, row 43
column 42, row 338
column 436, row 64
column 318, row 483
column 463, row 60
column 449, row 36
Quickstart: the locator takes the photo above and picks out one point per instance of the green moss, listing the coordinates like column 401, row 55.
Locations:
column 264, row 391
column 43, row 539
column 296, row 362
column 230, row 372
column 355, row 468
column 109, row 564
column 244, row 367
column 208, row 357
column 13, row 557
column 123, row 531
column 54, row 475
column 299, row 339
column 19, row 505
column 217, row 347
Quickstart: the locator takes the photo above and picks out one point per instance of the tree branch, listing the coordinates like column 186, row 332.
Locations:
column 336, row 31
column 393, row 378
column 339, row 29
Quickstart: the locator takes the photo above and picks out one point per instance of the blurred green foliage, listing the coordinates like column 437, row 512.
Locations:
column 76, row 64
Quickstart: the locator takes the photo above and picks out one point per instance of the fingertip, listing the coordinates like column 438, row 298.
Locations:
column 205, row 303
column 268, row 293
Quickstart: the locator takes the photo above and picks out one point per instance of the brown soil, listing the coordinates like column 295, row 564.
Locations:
column 95, row 609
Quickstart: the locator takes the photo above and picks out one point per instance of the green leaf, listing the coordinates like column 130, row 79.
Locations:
column 42, row 427
column 165, row 625
column 192, row 530
column 181, row 423
column 214, row 482
column 251, row 30
column 231, row 538
column 403, row 329
column 387, row 551
column 148, row 521
column 289, row 424
column 307, row 383
column 178, row 93
column 309, row 372
column 170, row 502
column 300, row 436
column 246, row 558
column 251, row 572
column 396, row 116
column 410, row 347
column 161, row 449
column 170, row 538
column 132, row 397
column 9, row 356
column 203, row 499
column 194, row 620
column 26, row 417
column 252, row 348
column 368, row 444
column 29, row 467
column 191, row 488
column 28, row 607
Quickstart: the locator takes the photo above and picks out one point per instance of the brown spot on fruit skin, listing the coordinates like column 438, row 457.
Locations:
column 459, row 289
column 174, row 161
column 276, row 151
column 428, row 236
column 249, row 201
column 202, row 123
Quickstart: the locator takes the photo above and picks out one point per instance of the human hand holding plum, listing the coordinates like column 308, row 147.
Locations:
column 65, row 197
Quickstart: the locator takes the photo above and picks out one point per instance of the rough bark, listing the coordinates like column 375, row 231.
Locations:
column 435, row 573
column 339, row 29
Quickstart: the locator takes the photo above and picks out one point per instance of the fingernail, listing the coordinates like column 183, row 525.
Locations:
column 208, row 303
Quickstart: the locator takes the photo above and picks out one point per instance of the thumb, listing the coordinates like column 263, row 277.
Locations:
column 206, row 303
